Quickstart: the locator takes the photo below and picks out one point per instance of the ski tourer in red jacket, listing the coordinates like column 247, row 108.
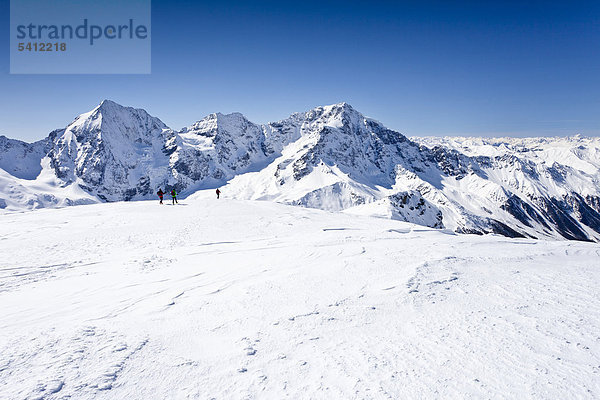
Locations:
column 160, row 194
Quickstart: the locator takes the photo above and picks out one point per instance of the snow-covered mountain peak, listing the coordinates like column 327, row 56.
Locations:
column 216, row 123
column 341, row 123
column 110, row 118
column 106, row 107
column 343, row 106
column 111, row 151
column 107, row 104
column 334, row 115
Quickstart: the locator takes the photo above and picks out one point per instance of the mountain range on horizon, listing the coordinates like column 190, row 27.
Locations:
column 331, row 158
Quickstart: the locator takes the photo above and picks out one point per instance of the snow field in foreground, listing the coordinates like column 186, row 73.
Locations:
column 239, row 300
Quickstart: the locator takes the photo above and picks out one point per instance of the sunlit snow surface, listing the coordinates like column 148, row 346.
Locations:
column 236, row 299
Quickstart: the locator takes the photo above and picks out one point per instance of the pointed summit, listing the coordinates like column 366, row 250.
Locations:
column 110, row 116
column 112, row 150
column 109, row 105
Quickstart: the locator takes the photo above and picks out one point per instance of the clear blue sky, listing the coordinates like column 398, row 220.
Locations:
column 423, row 68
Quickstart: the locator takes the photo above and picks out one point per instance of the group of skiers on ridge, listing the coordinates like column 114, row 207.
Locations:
column 160, row 194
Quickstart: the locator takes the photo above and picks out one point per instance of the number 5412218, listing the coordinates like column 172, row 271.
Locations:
column 42, row 46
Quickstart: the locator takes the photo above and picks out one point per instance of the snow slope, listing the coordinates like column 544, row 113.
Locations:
column 234, row 299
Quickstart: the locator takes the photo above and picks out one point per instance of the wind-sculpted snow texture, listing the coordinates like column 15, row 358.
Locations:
column 257, row 300
column 332, row 158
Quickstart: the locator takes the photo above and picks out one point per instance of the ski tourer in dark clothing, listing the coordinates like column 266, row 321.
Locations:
column 174, row 196
column 160, row 194
column 218, row 193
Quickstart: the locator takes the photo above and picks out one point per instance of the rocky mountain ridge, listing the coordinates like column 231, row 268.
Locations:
column 330, row 157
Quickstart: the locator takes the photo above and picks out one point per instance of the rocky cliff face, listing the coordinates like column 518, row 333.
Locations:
column 113, row 152
column 22, row 160
column 331, row 157
column 216, row 149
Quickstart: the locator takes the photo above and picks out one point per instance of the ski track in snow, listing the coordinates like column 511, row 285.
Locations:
column 241, row 300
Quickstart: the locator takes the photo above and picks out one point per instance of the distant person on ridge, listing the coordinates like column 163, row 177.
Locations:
column 160, row 194
column 218, row 193
column 174, row 196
